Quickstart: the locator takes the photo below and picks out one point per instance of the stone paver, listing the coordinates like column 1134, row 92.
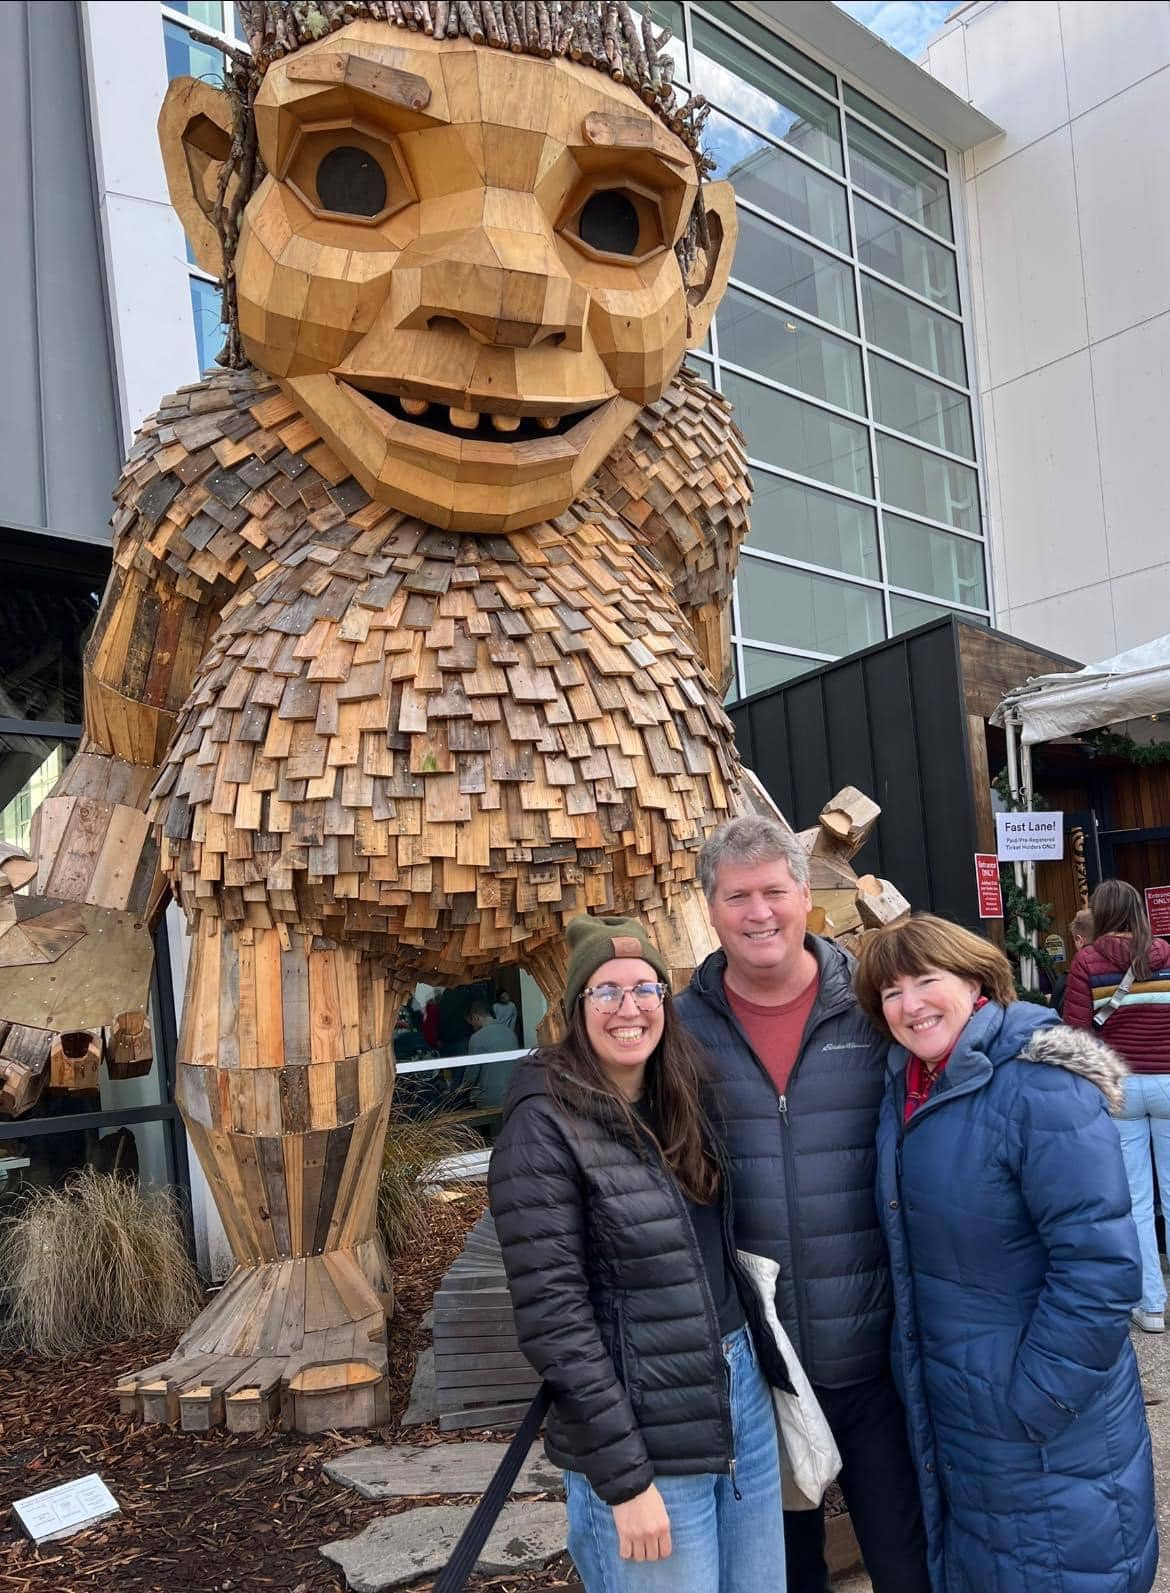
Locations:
column 396, row 1550
column 423, row 1404
column 404, row 1471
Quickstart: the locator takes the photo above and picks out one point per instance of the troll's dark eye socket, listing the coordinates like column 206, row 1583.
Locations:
column 351, row 182
column 609, row 223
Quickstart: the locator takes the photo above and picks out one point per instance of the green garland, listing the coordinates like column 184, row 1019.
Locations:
column 1111, row 745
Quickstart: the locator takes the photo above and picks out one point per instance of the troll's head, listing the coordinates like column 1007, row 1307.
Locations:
column 470, row 240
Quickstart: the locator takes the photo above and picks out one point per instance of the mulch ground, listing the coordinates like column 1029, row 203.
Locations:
column 203, row 1513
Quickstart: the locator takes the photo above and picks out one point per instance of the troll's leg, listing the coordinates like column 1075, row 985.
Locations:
column 285, row 1079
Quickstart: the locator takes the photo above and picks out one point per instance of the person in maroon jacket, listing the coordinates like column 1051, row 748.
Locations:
column 1135, row 1021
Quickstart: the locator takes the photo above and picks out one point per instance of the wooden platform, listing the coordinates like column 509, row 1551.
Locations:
column 481, row 1377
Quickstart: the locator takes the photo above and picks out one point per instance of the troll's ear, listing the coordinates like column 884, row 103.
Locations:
column 195, row 133
column 712, row 264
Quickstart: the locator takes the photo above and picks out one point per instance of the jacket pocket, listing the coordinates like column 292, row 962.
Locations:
column 625, row 1361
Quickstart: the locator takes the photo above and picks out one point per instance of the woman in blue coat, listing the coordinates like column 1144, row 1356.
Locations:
column 1015, row 1261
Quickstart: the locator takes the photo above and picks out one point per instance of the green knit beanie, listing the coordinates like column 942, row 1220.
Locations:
column 593, row 941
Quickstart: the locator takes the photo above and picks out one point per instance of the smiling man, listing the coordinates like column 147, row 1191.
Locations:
column 798, row 1075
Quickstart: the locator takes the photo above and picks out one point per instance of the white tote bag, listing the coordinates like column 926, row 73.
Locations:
column 808, row 1451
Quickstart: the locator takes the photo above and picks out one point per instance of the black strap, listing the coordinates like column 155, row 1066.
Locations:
column 453, row 1577
column 1103, row 1014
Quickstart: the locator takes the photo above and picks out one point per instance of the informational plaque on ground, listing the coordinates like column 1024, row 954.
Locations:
column 1029, row 837
column 68, row 1508
column 1158, row 907
column 987, row 884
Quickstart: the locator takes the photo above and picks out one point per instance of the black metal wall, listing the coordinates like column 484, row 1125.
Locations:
column 890, row 720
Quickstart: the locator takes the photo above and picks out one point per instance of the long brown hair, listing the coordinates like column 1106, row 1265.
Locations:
column 674, row 1073
column 919, row 944
column 1118, row 910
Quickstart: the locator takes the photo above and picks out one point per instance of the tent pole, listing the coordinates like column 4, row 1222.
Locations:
column 1012, row 729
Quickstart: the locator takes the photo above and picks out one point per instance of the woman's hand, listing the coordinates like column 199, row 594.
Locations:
column 643, row 1527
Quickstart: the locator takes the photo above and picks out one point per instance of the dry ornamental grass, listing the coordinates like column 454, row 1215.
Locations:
column 415, row 1148
column 98, row 1260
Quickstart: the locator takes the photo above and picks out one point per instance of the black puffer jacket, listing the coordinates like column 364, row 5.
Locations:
column 803, row 1169
column 611, row 1301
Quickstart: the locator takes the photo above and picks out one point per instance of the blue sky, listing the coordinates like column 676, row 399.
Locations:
column 906, row 24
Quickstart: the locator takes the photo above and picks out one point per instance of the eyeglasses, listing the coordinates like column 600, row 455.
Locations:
column 648, row 995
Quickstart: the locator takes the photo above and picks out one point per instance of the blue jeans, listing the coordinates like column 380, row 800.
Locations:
column 719, row 1544
column 1144, row 1123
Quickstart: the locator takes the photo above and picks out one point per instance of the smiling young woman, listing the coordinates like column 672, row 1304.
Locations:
column 1002, row 1193
column 614, row 1216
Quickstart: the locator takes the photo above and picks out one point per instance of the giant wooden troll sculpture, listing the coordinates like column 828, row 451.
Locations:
column 416, row 636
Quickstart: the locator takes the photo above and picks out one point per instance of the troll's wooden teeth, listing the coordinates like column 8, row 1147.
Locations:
column 505, row 422
column 465, row 419
column 414, row 406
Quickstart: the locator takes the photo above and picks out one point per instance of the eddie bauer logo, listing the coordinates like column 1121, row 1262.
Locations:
column 845, row 1045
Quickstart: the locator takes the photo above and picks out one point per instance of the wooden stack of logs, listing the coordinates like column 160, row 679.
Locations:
column 844, row 904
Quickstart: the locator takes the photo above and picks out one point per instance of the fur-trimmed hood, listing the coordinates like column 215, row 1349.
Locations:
column 1079, row 1052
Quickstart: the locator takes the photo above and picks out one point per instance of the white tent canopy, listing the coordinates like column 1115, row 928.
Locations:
column 1133, row 685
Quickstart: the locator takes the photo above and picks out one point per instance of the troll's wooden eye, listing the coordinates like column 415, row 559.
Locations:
column 351, row 182
column 609, row 222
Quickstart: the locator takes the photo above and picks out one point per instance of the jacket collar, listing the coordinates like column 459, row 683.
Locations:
column 993, row 1035
column 834, row 978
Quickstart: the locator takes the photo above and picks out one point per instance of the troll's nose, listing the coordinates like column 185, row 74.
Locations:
column 506, row 288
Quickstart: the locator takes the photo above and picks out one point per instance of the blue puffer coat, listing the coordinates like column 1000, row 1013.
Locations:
column 1015, row 1264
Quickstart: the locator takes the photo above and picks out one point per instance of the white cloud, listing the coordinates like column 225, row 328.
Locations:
column 904, row 24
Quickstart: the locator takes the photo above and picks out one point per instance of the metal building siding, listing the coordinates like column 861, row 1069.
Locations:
column 59, row 441
column 890, row 721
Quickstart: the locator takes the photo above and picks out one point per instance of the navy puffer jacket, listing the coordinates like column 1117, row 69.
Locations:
column 1015, row 1265
column 802, row 1168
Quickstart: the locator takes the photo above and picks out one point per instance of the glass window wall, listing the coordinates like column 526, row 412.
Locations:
column 781, row 430
column 789, row 268
column 935, row 562
column 780, row 344
column 898, row 179
column 763, row 669
column 912, row 331
column 908, row 402
column 800, row 522
column 900, row 251
column 813, row 612
column 927, row 484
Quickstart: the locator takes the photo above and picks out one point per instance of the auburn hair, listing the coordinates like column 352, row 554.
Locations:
column 919, row 944
column 675, row 1070
column 1117, row 909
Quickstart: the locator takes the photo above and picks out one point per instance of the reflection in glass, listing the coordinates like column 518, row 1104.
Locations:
column 913, row 332
column 763, row 669
column 45, row 618
column 29, row 769
column 937, row 488
column 800, row 522
column 206, row 306
column 907, row 612
column 208, row 12
column 766, row 175
column 777, row 343
column 187, row 58
column 780, row 48
column 813, row 612
column 896, row 250
column 932, row 561
column 907, row 402
column 893, row 125
column 668, row 14
column 898, row 179
column 797, row 272
column 759, row 92
column 784, row 431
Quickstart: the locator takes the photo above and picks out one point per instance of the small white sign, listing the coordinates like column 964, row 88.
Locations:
column 65, row 1509
column 1029, row 837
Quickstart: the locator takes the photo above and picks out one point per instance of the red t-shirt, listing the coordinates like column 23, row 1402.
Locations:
column 775, row 1032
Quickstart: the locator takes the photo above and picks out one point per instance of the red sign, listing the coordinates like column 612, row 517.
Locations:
column 987, row 884
column 1158, row 907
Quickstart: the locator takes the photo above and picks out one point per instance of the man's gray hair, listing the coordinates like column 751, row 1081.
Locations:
column 750, row 839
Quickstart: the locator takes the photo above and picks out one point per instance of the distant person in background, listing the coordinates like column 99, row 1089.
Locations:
column 1135, row 1021
column 1080, row 932
column 505, row 1012
column 490, row 1082
column 430, row 1021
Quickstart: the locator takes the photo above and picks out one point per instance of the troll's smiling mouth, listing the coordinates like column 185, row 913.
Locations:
column 471, row 425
